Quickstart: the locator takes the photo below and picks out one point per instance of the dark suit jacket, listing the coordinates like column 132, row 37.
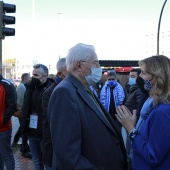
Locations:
column 46, row 145
column 82, row 138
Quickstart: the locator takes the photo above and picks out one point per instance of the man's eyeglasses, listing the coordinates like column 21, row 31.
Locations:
column 95, row 63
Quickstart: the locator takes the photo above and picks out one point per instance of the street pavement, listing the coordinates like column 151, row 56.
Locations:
column 21, row 163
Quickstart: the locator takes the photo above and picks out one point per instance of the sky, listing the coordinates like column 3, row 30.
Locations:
column 117, row 29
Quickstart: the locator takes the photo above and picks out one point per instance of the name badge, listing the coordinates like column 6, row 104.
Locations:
column 33, row 121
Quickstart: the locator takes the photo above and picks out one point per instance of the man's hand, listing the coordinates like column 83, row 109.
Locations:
column 18, row 114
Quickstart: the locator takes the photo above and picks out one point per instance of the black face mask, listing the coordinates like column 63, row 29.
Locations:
column 35, row 81
column 144, row 85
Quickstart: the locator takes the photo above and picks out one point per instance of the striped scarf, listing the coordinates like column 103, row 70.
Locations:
column 118, row 94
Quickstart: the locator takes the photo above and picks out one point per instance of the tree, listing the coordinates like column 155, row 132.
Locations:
column 10, row 60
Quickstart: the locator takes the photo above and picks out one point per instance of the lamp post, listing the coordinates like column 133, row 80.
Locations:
column 159, row 24
column 60, row 14
column 33, row 10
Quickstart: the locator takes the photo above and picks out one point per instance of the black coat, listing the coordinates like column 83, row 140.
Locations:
column 33, row 104
column 133, row 98
column 47, row 149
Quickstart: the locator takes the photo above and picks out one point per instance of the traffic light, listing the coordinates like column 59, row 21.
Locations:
column 6, row 20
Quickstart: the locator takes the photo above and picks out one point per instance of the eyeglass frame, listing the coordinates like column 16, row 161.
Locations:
column 95, row 63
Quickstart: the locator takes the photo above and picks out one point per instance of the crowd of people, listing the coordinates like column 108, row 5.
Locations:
column 66, row 124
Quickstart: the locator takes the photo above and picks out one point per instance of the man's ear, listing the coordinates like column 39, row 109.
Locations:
column 45, row 76
column 59, row 74
column 79, row 66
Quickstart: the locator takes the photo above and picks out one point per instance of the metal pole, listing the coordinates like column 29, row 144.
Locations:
column 0, row 52
column 33, row 11
column 159, row 24
column 1, row 12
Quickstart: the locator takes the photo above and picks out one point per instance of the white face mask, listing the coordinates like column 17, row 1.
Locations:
column 95, row 76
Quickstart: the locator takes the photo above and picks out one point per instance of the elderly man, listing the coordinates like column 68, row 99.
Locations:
column 32, row 111
column 84, row 136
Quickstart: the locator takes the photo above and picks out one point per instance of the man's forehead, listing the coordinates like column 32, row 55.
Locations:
column 93, row 60
column 36, row 71
column 111, row 76
column 133, row 73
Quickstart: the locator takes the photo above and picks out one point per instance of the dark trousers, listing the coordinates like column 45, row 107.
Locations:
column 24, row 145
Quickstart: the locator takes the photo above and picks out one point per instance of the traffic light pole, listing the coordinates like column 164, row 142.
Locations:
column 1, row 11
column 6, row 20
column 0, row 52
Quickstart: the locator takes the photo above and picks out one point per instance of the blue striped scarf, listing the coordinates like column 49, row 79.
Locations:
column 118, row 94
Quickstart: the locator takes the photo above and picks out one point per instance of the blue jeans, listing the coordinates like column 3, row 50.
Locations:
column 6, row 153
column 35, row 148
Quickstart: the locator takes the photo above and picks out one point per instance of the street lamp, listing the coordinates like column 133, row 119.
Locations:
column 159, row 24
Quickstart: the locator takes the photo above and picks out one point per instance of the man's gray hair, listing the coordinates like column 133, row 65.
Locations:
column 43, row 69
column 61, row 65
column 80, row 52
column 111, row 73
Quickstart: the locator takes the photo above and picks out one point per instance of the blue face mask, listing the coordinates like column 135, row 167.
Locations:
column 112, row 83
column 95, row 76
column 132, row 81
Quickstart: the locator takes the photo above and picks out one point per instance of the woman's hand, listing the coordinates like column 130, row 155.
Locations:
column 126, row 118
